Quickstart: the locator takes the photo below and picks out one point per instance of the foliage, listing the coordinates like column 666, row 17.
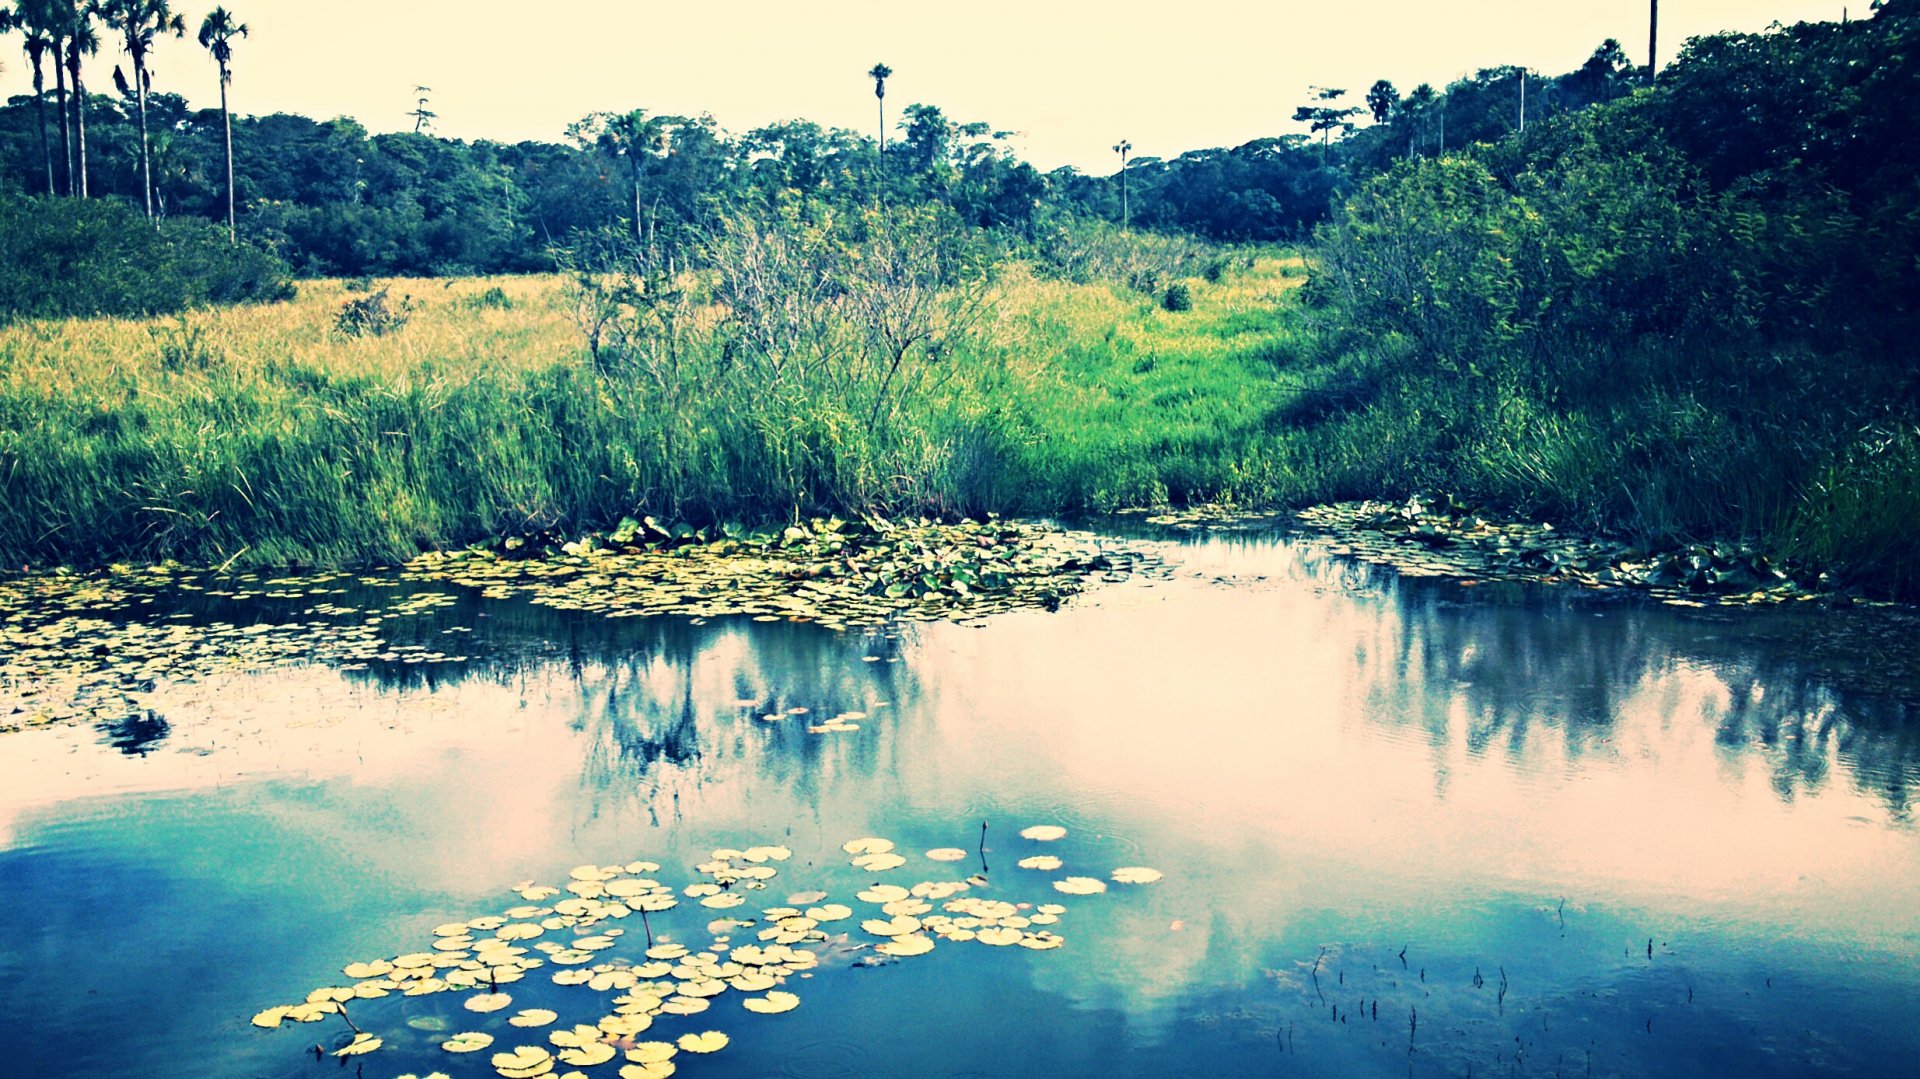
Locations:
column 373, row 315
column 1683, row 313
column 69, row 258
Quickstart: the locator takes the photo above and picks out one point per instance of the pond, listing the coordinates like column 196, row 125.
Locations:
column 1403, row 827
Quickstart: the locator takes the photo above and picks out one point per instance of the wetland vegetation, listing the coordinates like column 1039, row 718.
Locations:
column 1433, row 594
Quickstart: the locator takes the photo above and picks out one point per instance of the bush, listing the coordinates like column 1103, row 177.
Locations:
column 1178, row 297
column 372, row 315
column 64, row 258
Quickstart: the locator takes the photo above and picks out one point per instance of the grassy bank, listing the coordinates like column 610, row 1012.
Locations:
column 265, row 434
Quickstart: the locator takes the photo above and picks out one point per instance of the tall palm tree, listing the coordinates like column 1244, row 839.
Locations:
column 82, row 41
column 879, row 75
column 23, row 16
column 1124, row 148
column 139, row 22
column 632, row 135
column 1653, row 40
column 54, row 16
column 217, row 32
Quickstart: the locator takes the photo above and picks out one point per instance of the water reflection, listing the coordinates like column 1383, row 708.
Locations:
column 1497, row 780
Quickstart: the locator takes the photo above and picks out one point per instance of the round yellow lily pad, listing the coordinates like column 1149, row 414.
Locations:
column 586, row 1056
column 711, row 1041
column 471, row 1041
column 1080, row 885
column 487, row 1002
column 1136, row 874
column 652, row 1052
column 1043, row 833
column 533, row 1017
column 772, row 1004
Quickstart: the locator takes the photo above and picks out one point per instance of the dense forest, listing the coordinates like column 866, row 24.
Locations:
column 333, row 199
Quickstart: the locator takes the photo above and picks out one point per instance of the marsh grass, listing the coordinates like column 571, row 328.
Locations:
column 265, row 435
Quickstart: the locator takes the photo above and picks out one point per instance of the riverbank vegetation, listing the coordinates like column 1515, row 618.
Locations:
column 1673, row 312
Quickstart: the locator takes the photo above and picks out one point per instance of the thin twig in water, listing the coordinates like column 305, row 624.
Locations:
column 1316, row 976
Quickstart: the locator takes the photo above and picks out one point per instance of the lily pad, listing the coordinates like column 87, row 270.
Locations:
column 711, row 1041
column 772, row 1003
column 471, row 1041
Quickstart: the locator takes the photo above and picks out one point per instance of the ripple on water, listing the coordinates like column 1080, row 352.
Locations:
column 828, row 1058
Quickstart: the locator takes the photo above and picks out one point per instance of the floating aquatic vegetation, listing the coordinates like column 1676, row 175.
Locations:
column 1044, row 833
column 1438, row 535
column 830, row 571
column 637, row 978
column 91, row 647
column 1136, row 874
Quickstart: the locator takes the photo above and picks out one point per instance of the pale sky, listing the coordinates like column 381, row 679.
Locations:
column 1072, row 77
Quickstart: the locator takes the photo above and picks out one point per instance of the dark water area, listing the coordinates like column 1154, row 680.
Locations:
column 1407, row 827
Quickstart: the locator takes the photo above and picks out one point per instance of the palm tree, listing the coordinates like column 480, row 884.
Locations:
column 23, row 16
column 53, row 20
column 217, row 32
column 632, row 135
column 879, row 75
column 139, row 22
column 1124, row 147
column 1653, row 40
column 82, row 41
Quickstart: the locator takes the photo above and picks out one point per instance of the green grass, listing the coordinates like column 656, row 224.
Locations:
column 261, row 435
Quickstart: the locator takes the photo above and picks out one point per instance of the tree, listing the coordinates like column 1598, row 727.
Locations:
column 1123, row 148
column 1653, row 41
column 1382, row 99
column 217, row 32
column 879, row 75
column 422, row 116
column 1324, row 117
column 24, row 16
column 630, row 135
column 82, row 42
column 139, row 22
column 1420, row 101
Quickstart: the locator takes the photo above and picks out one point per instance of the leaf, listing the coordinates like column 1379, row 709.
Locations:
column 362, row 1043
column 1136, row 874
column 467, row 1042
column 711, row 1041
column 1043, row 833
column 772, row 1003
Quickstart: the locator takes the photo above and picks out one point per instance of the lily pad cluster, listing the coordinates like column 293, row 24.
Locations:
column 633, row 992
column 90, row 647
column 1442, row 536
column 836, row 573
column 87, row 647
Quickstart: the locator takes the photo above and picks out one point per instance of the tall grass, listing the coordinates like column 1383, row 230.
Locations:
column 265, row 435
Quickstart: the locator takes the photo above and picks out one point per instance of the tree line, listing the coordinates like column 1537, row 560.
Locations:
column 332, row 198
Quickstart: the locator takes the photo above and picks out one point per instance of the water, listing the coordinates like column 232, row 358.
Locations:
column 1408, row 828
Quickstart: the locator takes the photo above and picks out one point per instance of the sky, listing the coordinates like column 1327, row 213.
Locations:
column 1070, row 77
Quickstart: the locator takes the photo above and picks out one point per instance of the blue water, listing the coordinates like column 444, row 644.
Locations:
column 1407, row 827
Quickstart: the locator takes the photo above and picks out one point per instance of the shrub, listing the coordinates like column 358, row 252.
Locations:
column 81, row 257
column 1178, row 297
column 372, row 315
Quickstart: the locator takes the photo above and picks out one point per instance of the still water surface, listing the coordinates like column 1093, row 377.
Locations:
column 1408, row 828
